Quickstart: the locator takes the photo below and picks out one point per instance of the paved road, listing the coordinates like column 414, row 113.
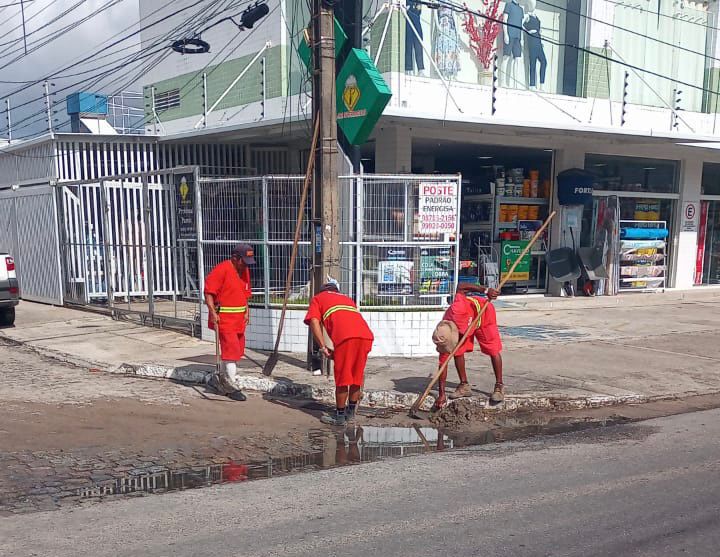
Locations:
column 648, row 489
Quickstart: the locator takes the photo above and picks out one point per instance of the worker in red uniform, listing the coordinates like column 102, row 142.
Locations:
column 227, row 291
column 352, row 341
column 458, row 317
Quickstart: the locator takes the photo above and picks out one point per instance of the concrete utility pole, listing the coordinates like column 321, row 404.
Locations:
column 326, row 198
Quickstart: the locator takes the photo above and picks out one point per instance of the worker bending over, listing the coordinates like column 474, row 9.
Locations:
column 458, row 317
column 352, row 341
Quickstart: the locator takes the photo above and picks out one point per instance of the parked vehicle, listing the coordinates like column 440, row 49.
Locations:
column 9, row 290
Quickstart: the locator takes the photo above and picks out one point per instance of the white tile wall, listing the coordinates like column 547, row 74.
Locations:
column 402, row 334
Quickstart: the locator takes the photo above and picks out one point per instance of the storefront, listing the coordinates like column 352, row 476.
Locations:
column 707, row 267
column 635, row 199
column 505, row 198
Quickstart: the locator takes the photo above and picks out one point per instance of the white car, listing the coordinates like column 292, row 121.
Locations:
column 9, row 290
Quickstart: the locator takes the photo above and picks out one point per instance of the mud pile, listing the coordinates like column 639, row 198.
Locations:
column 461, row 412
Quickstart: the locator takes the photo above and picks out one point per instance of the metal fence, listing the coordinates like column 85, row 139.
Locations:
column 122, row 248
column 28, row 232
column 387, row 260
column 141, row 244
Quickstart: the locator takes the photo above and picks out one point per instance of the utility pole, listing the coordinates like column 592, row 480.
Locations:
column 326, row 198
column 9, row 120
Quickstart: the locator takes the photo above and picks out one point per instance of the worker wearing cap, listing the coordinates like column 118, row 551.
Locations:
column 352, row 341
column 227, row 291
column 458, row 317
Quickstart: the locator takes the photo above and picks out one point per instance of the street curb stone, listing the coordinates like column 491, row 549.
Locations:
column 390, row 398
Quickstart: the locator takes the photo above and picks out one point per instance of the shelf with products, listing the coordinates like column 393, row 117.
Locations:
column 643, row 255
column 521, row 201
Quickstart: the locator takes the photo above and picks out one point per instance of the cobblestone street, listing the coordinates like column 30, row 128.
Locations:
column 70, row 435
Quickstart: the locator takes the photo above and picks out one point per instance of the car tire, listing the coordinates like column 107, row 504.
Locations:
column 7, row 317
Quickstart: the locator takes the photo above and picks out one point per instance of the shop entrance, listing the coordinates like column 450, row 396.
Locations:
column 641, row 194
column 505, row 199
column 707, row 266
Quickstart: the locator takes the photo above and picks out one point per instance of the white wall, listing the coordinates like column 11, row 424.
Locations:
column 403, row 334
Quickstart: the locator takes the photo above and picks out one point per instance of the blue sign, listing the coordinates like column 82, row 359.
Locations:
column 575, row 187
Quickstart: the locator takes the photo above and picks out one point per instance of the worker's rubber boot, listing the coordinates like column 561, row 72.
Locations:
column 498, row 396
column 337, row 418
column 214, row 383
column 463, row 390
column 350, row 411
column 238, row 396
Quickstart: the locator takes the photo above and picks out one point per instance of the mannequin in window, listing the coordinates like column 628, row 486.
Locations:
column 512, row 35
column 413, row 45
column 536, row 53
column 446, row 48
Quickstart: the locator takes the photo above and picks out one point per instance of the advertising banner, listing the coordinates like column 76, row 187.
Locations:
column 437, row 207
column 395, row 273
column 435, row 270
column 509, row 251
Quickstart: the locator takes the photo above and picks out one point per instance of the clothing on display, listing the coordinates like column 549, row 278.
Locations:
column 514, row 20
column 413, row 46
column 447, row 43
column 536, row 53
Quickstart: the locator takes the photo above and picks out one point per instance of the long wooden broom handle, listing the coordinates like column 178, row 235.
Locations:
column 416, row 406
column 298, row 228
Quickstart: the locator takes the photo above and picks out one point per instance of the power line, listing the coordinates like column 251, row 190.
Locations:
column 15, row 4
column 28, row 19
column 167, row 52
column 133, row 58
column 60, row 32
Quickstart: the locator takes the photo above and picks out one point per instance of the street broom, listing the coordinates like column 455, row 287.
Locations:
column 441, row 369
column 273, row 358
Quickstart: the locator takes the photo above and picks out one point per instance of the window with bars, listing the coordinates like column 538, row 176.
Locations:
column 167, row 99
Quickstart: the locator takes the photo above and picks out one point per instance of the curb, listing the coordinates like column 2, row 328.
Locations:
column 281, row 388
column 395, row 399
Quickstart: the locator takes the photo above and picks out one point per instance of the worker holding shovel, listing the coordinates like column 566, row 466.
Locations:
column 352, row 341
column 227, row 291
column 459, row 316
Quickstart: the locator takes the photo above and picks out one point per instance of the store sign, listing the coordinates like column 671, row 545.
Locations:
column 437, row 207
column 362, row 95
column 575, row 187
column 689, row 217
column 185, row 204
column 435, row 268
column 395, row 273
column 510, row 250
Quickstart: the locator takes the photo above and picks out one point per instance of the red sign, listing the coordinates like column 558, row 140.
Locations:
column 702, row 234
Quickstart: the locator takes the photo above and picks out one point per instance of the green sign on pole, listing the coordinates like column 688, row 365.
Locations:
column 362, row 95
column 509, row 251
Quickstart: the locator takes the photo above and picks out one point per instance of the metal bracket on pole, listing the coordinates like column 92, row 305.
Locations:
column 202, row 120
column 205, row 97
column 156, row 118
column 9, row 120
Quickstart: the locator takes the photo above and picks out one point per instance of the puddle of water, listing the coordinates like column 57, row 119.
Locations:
column 328, row 449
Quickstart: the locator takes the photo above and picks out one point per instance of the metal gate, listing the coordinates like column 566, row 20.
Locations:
column 28, row 231
column 121, row 248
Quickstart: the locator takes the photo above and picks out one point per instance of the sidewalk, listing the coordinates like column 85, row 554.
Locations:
column 558, row 353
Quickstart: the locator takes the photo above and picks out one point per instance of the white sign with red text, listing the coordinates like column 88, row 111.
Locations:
column 437, row 208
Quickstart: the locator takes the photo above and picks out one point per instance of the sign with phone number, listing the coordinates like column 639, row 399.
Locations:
column 437, row 207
